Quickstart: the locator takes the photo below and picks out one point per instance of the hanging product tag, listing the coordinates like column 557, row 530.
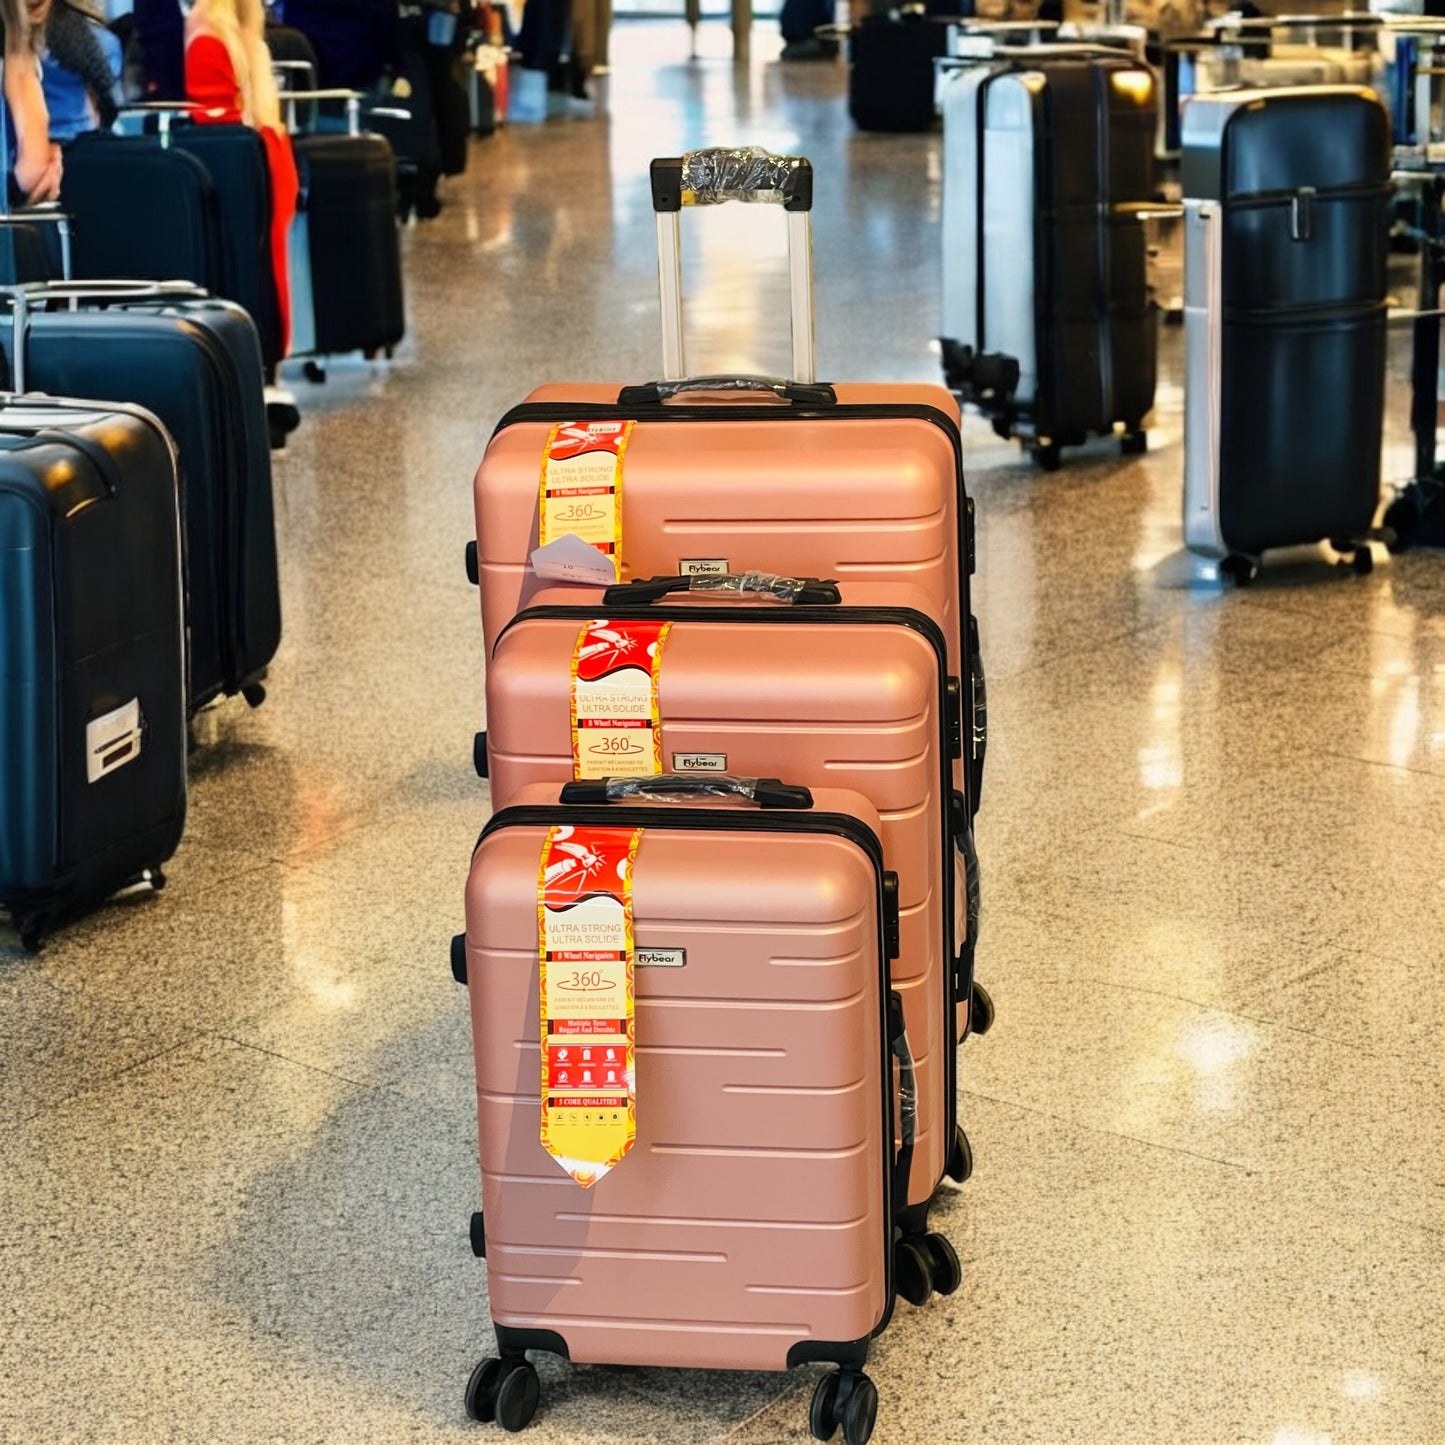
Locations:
column 586, row 952
column 616, row 727
column 581, row 492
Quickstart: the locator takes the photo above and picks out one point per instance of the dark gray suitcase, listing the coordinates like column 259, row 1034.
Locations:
column 196, row 363
column 1286, row 237
column 92, row 666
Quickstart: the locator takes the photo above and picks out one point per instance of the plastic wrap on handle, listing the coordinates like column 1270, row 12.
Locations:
column 745, row 173
column 811, row 591
column 685, row 787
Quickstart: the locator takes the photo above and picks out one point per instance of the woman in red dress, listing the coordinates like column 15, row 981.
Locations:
column 228, row 71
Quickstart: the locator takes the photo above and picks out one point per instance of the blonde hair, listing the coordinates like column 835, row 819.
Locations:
column 240, row 25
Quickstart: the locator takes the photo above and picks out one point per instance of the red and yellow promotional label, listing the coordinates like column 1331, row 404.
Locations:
column 581, row 489
column 586, row 951
column 616, row 727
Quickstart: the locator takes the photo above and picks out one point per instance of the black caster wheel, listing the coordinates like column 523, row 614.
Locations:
column 1402, row 520
column 1047, row 457
column 822, row 1413
column 156, row 877
column 31, row 931
column 517, row 1398
column 943, row 1259
column 482, row 1391
column 859, row 1412
column 912, row 1272
column 960, row 1158
column 389, row 352
column 478, row 1234
column 1134, row 443
column 368, row 353
column 980, row 1010
column 1363, row 562
column 1240, row 570
column 314, row 372
column 254, row 693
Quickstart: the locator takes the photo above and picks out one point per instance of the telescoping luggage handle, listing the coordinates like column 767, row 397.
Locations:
column 765, row 792
column 802, row 591
column 709, row 178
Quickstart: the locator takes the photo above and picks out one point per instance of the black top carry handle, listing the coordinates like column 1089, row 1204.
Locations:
column 746, row 173
column 765, row 792
column 799, row 591
column 803, row 393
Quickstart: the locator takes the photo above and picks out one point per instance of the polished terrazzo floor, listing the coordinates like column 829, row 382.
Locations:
column 239, row 1152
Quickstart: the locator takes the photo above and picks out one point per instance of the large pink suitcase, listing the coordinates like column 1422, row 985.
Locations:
column 751, row 1225
column 857, row 482
column 829, row 696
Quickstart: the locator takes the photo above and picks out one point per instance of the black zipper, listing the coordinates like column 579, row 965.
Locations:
column 928, row 629
column 553, row 412
column 730, row 821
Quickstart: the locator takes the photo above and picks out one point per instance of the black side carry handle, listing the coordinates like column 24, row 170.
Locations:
column 800, row 393
column 765, row 792
column 810, row 592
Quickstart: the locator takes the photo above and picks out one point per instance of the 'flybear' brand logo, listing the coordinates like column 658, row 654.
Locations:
column 660, row 957
column 699, row 762
column 702, row 567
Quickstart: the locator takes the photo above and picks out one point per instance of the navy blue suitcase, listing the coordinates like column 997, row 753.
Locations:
column 92, row 664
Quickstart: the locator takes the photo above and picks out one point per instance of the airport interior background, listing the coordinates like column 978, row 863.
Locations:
column 1208, row 1202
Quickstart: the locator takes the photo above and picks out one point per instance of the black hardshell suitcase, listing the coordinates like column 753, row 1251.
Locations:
column 349, row 207
column 235, row 155
column 1093, row 342
column 1287, row 195
column 143, row 209
column 195, row 362
column 92, row 665
column 890, row 73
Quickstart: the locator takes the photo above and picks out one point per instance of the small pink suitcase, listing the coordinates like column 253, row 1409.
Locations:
column 751, row 1225
column 830, row 696
column 859, row 482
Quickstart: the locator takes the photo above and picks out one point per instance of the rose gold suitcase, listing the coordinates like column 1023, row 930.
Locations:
column 827, row 695
column 751, row 1224
column 859, row 482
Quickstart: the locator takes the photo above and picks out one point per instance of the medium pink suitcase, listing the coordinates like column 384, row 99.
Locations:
column 829, row 696
column 751, row 1224
column 862, row 482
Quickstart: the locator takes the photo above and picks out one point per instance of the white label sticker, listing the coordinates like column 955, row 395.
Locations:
column 703, row 567
column 570, row 559
column 699, row 762
column 112, row 740
column 660, row 957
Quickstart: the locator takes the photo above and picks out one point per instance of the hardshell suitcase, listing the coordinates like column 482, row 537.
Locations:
column 862, row 483
column 831, row 696
column 750, row 1223
column 143, row 209
column 92, row 666
column 1047, row 323
column 195, row 363
column 890, row 70
column 345, row 250
column 1285, row 250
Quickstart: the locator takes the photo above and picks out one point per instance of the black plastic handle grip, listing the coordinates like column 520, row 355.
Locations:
column 800, row 393
column 642, row 590
column 765, row 792
column 708, row 177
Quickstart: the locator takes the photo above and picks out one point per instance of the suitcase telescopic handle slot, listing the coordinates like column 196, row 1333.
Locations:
column 765, row 792
column 802, row 393
column 799, row 591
